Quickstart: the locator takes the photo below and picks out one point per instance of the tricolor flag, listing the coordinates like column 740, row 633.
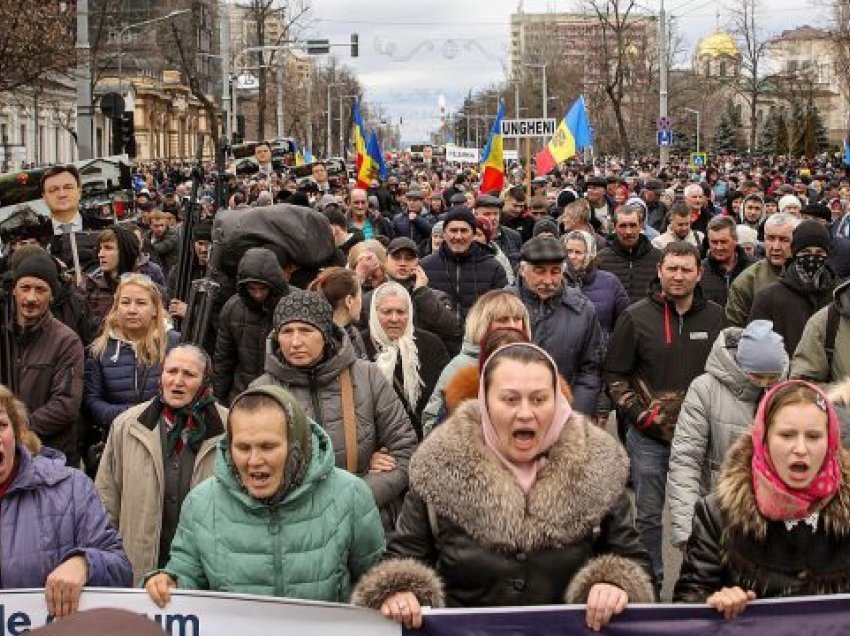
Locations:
column 359, row 138
column 573, row 134
column 493, row 156
column 373, row 163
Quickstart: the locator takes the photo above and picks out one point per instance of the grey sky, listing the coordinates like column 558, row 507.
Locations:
column 411, row 52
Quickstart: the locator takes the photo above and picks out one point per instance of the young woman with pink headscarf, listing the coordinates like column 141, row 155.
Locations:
column 778, row 522
column 513, row 500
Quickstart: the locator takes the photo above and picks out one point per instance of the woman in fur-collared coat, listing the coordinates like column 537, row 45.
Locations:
column 514, row 500
column 778, row 523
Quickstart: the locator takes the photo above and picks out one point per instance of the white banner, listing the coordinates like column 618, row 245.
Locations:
column 207, row 614
column 510, row 155
column 456, row 154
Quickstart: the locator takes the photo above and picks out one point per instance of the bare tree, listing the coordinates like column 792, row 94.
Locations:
column 36, row 38
column 754, row 46
column 841, row 45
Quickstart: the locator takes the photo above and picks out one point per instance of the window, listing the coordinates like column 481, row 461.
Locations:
column 23, row 138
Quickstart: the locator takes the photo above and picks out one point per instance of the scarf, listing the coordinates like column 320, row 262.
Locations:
column 388, row 351
column 813, row 272
column 775, row 499
column 525, row 473
column 186, row 425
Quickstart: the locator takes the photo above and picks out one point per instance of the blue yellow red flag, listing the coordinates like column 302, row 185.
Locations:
column 493, row 156
column 572, row 135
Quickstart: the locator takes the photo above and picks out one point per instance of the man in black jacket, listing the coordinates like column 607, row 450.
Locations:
column 725, row 261
column 658, row 347
column 630, row 256
column 462, row 268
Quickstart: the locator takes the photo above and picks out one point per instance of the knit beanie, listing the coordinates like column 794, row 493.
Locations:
column 545, row 224
column 459, row 213
column 39, row 265
column 789, row 199
column 809, row 234
column 307, row 307
column 761, row 349
column 485, row 226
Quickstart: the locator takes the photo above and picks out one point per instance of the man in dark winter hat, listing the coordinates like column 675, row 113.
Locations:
column 48, row 357
column 804, row 287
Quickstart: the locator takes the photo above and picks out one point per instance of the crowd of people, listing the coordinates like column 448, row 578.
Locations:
column 454, row 409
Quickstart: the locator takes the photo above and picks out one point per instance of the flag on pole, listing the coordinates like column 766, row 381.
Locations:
column 573, row 134
column 359, row 138
column 373, row 163
column 493, row 156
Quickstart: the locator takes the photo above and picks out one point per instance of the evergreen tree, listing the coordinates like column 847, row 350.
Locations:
column 727, row 138
column 767, row 139
column 820, row 133
column 781, row 138
column 797, row 127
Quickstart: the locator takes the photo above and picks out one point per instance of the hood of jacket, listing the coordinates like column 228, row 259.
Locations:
column 129, row 249
column 738, row 501
column 33, row 472
column 322, row 373
column 723, row 367
column 321, row 464
column 790, row 278
column 260, row 265
column 459, row 476
column 841, row 297
column 742, row 219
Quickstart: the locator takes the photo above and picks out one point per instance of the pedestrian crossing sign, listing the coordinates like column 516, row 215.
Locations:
column 699, row 160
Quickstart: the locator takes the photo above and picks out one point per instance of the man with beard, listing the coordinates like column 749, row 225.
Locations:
column 658, row 347
column 753, row 213
column 804, row 287
column 432, row 309
column 778, row 230
column 563, row 320
column 48, row 357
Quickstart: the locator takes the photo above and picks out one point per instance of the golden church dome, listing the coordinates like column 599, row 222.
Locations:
column 716, row 45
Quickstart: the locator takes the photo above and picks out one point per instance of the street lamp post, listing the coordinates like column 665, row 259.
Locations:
column 545, row 87
column 328, row 149
column 342, row 99
column 696, row 112
column 135, row 25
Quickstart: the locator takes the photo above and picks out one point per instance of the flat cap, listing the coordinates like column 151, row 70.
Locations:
column 488, row 201
column 402, row 243
column 543, row 249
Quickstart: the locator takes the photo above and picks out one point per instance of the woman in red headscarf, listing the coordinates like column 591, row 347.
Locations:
column 778, row 523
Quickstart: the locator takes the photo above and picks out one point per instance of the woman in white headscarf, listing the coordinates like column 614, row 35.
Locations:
column 411, row 359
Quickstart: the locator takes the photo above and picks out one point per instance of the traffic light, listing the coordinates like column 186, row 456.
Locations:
column 128, row 133
column 355, row 45
column 117, row 135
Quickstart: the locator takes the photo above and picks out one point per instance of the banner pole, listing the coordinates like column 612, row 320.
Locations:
column 528, row 170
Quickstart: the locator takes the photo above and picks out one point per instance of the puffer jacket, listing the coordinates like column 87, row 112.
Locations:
column 314, row 544
column 789, row 303
column 130, row 479
column 435, row 411
column 116, row 381
column 810, row 360
column 49, row 513
column 467, row 523
column 716, row 281
column 464, row 277
column 734, row 544
column 719, row 407
column 566, row 327
column 244, row 325
column 381, row 420
column 636, row 268
column 605, row 291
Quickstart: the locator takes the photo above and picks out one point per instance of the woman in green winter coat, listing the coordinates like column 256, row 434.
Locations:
column 277, row 518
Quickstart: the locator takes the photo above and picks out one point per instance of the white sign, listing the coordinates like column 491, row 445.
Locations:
column 456, row 154
column 528, row 127
column 510, row 155
column 207, row 614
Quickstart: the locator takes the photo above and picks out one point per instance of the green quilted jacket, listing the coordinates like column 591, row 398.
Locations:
column 315, row 544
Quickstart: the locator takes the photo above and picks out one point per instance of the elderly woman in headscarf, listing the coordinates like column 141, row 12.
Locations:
column 156, row 453
column 602, row 288
column 350, row 398
column 514, row 500
column 410, row 359
column 278, row 519
column 778, row 523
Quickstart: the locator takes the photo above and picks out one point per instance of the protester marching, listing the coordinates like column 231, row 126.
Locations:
column 409, row 385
